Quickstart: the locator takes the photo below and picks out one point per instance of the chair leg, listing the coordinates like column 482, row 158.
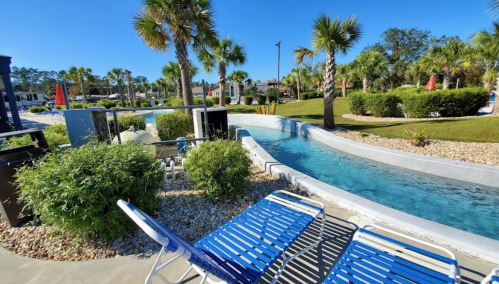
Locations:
column 288, row 259
column 159, row 265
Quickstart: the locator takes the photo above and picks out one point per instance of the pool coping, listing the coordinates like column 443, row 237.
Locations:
column 471, row 244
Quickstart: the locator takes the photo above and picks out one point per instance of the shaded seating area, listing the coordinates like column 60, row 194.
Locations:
column 376, row 258
column 243, row 249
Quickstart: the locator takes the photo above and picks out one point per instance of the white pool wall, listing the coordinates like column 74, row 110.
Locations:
column 468, row 243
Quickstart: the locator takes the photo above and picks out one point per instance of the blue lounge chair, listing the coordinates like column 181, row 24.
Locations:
column 492, row 278
column 375, row 258
column 243, row 249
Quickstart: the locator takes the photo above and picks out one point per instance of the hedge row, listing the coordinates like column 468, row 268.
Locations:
column 311, row 95
column 417, row 104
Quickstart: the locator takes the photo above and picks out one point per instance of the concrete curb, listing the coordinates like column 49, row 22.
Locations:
column 474, row 245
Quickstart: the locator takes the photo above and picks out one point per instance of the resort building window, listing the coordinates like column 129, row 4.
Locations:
column 35, row 97
column 18, row 98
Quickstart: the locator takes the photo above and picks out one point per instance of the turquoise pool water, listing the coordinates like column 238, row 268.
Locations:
column 150, row 115
column 466, row 206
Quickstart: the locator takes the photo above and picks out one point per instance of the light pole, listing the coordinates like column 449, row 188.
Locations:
column 278, row 65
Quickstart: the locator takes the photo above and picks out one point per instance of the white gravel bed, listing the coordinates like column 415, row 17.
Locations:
column 181, row 208
column 472, row 152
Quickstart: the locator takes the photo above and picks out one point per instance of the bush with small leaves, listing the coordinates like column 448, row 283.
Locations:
column 199, row 101
column 173, row 125
column 108, row 104
column 58, row 107
column 262, row 99
column 382, row 105
column 36, row 109
column 228, row 100
column 272, row 99
column 125, row 121
column 76, row 191
column 220, row 168
column 55, row 135
column 248, row 100
column 357, row 102
column 78, row 106
column 145, row 104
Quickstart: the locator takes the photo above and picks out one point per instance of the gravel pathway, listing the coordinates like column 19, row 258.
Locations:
column 181, row 208
column 472, row 152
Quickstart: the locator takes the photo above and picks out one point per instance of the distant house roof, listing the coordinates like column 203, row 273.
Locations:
column 197, row 90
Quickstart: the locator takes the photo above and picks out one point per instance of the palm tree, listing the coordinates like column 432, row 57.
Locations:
column 117, row 75
column 486, row 46
column 155, row 87
column 296, row 72
column 317, row 74
column 79, row 76
column 289, row 82
column 145, row 86
column 344, row 71
column 447, row 58
column 224, row 52
column 416, row 70
column 330, row 36
column 238, row 77
column 131, row 94
column 162, row 84
column 367, row 64
column 106, row 82
column 171, row 72
column 161, row 23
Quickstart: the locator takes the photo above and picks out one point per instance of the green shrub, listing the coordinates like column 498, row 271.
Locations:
column 199, row 101
column 55, row 135
column 58, row 107
column 138, row 103
column 419, row 105
column 49, row 108
column 108, row 104
column 438, row 86
column 228, row 100
column 462, row 102
column 145, row 104
column 272, row 99
column 261, row 99
column 36, row 109
column 78, row 106
column 320, row 94
column 76, row 191
column 248, row 100
column 382, row 105
column 417, row 138
column 215, row 100
column 308, row 95
column 220, row 168
column 271, row 92
column 357, row 103
column 173, row 125
column 125, row 121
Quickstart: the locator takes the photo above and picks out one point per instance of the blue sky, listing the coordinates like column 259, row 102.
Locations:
column 56, row 34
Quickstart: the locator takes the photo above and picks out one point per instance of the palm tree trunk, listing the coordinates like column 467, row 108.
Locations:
column 329, row 91
column 120, row 91
column 182, row 57
column 488, row 67
column 365, row 83
column 221, row 83
column 344, row 87
column 239, row 93
column 418, row 84
column 298, row 85
column 82, row 86
column 179, row 89
column 446, row 81
column 131, row 95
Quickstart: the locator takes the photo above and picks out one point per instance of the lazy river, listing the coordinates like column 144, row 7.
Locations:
column 462, row 205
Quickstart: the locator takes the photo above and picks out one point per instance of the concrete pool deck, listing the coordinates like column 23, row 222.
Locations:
column 468, row 243
column 311, row 267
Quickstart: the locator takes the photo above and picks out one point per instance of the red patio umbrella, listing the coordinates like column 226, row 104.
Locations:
column 59, row 96
column 431, row 84
column 209, row 93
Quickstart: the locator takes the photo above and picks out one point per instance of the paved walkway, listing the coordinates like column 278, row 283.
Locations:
column 311, row 267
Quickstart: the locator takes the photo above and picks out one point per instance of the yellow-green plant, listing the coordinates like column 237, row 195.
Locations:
column 268, row 110
column 418, row 138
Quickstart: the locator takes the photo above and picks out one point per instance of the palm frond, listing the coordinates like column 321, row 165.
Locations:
column 303, row 53
column 151, row 32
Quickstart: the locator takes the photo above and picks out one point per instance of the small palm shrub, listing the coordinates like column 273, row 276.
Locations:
column 55, row 135
column 417, row 138
column 248, row 100
column 76, row 191
column 125, row 121
column 58, row 107
column 173, row 125
column 228, row 100
column 36, row 109
column 261, row 99
column 220, row 168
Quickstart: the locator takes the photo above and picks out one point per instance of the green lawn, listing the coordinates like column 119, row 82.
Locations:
column 477, row 129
